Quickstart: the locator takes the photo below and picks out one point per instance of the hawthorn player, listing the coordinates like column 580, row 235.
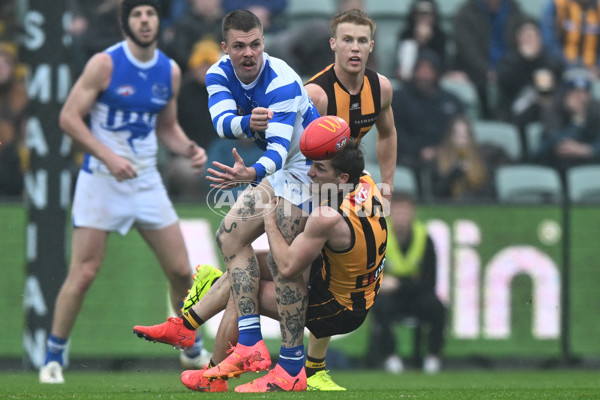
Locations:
column 362, row 97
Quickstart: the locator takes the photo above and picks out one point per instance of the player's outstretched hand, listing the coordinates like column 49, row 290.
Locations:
column 229, row 177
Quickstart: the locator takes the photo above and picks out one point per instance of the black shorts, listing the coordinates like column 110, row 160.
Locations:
column 325, row 316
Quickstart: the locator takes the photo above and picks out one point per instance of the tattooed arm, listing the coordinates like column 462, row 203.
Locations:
column 292, row 259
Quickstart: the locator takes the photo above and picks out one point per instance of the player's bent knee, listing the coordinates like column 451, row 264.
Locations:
column 82, row 281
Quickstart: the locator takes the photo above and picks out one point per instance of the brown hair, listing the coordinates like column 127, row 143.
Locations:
column 350, row 160
column 242, row 20
column 354, row 16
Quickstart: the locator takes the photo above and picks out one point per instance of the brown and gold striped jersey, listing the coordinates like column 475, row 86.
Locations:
column 354, row 276
column 361, row 110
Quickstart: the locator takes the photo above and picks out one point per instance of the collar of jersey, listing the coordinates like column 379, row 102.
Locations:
column 135, row 61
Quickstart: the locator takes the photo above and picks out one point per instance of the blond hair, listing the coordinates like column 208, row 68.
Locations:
column 353, row 16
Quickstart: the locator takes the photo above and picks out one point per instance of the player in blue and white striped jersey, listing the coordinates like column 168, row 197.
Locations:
column 256, row 96
column 277, row 91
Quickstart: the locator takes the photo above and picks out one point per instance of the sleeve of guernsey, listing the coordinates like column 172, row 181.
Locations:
column 223, row 107
column 285, row 103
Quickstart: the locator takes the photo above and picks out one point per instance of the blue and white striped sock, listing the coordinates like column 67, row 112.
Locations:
column 249, row 327
column 54, row 349
column 291, row 359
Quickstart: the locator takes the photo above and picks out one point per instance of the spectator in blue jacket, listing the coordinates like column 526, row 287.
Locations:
column 422, row 109
column 572, row 123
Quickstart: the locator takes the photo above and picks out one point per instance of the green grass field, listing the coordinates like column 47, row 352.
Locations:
column 448, row 385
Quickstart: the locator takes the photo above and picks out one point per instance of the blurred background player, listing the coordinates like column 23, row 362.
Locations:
column 129, row 92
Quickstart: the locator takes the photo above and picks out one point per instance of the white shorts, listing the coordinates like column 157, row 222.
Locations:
column 293, row 184
column 101, row 202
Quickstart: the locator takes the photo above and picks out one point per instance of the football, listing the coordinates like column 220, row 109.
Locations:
column 324, row 138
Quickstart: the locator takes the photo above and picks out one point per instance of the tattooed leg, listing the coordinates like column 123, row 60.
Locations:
column 240, row 227
column 292, row 295
column 215, row 299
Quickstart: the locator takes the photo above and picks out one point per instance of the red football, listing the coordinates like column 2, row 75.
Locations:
column 324, row 138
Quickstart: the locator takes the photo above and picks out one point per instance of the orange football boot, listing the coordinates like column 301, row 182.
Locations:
column 277, row 380
column 172, row 332
column 194, row 379
column 241, row 359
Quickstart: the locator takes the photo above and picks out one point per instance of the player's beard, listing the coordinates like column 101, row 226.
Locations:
column 144, row 44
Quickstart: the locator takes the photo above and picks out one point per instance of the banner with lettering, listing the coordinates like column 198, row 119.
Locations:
column 48, row 181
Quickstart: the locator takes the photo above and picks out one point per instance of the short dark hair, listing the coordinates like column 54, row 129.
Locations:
column 350, row 160
column 353, row 16
column 242, row 20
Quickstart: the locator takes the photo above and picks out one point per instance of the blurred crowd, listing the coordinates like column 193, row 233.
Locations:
column 484, row 60
column 13, row 101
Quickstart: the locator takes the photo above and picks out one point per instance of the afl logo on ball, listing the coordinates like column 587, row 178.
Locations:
column 341, row 143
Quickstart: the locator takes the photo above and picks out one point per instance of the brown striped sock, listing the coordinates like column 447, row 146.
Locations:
column 314, row 365
column 191, row 320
